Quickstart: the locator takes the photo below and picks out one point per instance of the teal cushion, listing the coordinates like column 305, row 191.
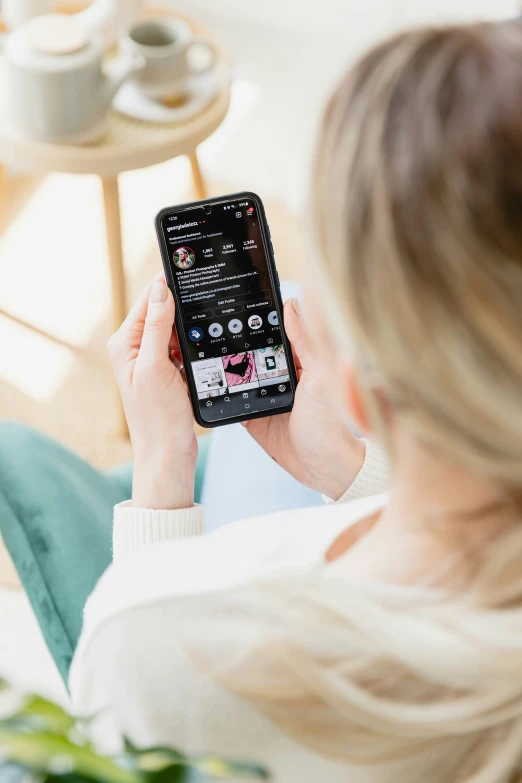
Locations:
column 56, row 521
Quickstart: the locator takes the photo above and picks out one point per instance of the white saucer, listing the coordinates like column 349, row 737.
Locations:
column 201, row 91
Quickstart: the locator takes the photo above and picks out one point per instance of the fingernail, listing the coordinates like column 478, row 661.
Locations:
column 159, row 292
column 297, row 306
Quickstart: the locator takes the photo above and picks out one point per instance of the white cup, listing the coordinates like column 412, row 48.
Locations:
column 166, row 47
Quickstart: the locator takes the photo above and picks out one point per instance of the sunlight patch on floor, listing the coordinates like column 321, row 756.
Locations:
column 53, row 259
column 32, row 363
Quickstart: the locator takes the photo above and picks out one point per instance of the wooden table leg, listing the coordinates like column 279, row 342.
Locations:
column 111, row 200
column 197, row 177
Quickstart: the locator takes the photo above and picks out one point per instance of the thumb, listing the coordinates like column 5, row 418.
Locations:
column 157, row 330
column 298, row 334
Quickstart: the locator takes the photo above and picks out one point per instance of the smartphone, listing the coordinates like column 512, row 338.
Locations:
column 219, row 264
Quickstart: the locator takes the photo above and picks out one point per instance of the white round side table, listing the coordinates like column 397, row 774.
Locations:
column 129, row 144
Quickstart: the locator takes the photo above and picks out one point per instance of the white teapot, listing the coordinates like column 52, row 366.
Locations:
column 56, row 87
column 105, row 17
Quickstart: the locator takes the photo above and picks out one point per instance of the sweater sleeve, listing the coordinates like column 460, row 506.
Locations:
column 135, row 528
column 372, row 478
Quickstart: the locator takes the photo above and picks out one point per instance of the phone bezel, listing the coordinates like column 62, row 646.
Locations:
column 274, row 279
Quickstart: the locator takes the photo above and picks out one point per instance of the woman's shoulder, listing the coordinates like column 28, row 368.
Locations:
column 215, row 595
column 298, row 536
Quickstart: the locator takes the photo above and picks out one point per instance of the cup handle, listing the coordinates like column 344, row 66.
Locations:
column 212, row 51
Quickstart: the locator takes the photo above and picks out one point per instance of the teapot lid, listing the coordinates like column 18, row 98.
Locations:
column 56, row 34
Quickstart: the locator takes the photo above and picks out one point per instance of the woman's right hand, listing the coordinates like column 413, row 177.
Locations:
column 313, row 442
column 156, row 402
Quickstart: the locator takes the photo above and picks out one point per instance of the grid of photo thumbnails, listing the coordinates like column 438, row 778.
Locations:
column 221, row 375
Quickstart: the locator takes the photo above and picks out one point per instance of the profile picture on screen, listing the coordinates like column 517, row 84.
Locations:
column 184, row 257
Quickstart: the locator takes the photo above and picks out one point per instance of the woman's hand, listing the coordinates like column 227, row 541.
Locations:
column 312, row 442
column 156, row 402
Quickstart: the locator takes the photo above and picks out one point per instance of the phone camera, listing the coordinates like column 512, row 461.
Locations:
column 208, row 209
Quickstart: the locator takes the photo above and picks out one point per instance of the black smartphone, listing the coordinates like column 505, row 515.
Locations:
column 219, row 264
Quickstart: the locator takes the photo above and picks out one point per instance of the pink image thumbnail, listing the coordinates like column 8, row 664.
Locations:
column 240, row 368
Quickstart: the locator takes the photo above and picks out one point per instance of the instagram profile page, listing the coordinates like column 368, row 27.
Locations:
column 228, row 310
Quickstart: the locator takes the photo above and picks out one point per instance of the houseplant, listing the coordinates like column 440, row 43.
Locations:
column 42, row 743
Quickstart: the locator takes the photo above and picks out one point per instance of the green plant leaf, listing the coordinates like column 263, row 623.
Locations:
column 157, row 758
column 129, row 747
column 40, row 738
column 174, row 773
column 50, row 754
column 221, row 768
column 63, row 779
column 49, row 717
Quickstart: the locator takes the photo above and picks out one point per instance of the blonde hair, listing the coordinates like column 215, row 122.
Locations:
column 419, row 203
column 418, row 198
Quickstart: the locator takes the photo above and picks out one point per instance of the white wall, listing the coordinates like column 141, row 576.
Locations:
column 339, row 18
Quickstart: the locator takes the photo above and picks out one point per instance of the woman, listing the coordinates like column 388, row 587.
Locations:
column 182, row 258
column 386, row 631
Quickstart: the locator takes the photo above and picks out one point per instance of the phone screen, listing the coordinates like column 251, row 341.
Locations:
column 230, row 315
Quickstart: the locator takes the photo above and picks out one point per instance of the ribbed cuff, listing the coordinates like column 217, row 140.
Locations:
column 372, row 478
column 135, row 528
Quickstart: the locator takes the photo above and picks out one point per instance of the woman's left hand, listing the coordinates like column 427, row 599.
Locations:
column 156, row 402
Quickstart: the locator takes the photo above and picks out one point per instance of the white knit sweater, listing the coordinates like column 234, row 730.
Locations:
column 170, row 587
